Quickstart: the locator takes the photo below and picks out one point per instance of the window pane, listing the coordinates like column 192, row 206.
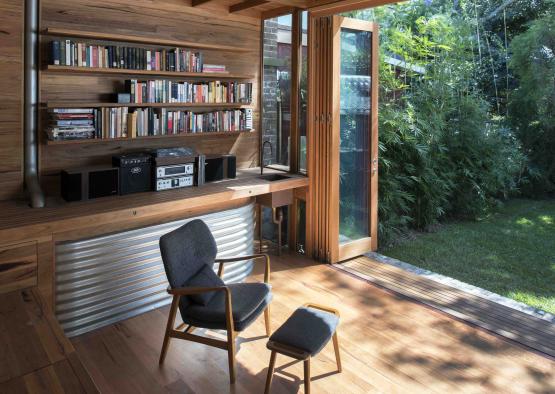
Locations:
column 276, row 121
column 303, row 92
column 354, row 166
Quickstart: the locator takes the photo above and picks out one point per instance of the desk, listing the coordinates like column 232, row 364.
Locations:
column 61, row 221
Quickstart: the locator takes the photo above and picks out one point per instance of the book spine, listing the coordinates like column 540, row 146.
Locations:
column 55, row 52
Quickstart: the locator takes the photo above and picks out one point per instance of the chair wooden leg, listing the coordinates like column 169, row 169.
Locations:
column 267, row 321
column 169, row 328
column 337, row 355
column 307, row 376
column 270, row 372
column 231, row 355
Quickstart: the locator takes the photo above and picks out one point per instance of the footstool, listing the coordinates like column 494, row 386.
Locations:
column 303, row 336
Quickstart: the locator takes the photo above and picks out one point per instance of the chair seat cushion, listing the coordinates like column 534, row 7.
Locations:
column 307, row 329
column 205, row 277
column 248, row 301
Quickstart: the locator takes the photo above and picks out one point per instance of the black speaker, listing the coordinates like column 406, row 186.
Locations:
column 135, row 172
column 230, row 166
column 89, row 182
column 213, row 169
column 71, row 183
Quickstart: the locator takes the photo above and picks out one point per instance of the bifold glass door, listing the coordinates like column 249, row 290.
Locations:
column 343, row 138
column 355, row 131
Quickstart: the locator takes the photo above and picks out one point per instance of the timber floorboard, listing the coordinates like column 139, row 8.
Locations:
column 388, row 343
column 525, row 329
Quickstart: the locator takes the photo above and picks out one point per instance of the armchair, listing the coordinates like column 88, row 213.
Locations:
column 203, row 299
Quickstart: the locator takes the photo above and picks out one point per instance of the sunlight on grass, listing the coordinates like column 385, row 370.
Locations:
column 525, row 222
column 506, row 253
column 547, row 219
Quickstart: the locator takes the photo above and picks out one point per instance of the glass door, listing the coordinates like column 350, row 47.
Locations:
column 355, row 133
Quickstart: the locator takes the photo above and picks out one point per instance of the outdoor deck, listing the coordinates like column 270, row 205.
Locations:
column 389, row 344
column 523, row 328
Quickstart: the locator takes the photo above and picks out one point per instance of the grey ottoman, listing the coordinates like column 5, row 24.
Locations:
column 302, row 336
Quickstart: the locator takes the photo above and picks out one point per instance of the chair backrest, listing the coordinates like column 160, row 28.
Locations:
column 185, row 250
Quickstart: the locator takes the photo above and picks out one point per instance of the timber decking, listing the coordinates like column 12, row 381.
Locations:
column 518, row 326
column 388, row 344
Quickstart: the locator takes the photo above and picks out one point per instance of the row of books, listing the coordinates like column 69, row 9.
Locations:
column 79, row 54
column 164, row 91
column 153, row 121
column 122, row 122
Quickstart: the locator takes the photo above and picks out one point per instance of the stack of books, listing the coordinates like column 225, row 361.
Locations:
column 164, row 91
column 70, row 123
column 79, row 54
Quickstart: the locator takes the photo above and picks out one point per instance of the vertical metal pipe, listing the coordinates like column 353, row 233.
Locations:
column 32, row 184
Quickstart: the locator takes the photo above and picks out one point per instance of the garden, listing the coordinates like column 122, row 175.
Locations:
column 467, row 145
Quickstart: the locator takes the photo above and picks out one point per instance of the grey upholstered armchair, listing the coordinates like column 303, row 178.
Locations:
column 204, row 300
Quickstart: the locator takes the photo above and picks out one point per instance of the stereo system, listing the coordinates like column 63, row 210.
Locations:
column 161, row 169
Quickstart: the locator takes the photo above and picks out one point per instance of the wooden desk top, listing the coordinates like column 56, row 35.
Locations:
column 19, row 222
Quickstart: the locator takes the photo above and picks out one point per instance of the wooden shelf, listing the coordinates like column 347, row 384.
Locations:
column 182, row 135
column 141, row 40
column 120, row 71
column 76, row 104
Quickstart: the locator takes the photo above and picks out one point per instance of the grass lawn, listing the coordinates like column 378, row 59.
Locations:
column 510, row 252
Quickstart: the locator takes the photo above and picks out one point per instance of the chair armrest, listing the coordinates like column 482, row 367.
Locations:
column 184, row 291
column 225, row 260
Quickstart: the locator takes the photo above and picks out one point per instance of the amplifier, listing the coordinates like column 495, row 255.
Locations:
column 135, row 174
column 174, row 183
column 89, row 182
column 175, row 170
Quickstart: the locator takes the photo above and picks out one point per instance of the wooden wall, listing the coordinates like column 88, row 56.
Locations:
column 169, row 19
column 11, row 94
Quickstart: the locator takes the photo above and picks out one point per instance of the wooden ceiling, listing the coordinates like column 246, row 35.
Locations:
column 269, row 8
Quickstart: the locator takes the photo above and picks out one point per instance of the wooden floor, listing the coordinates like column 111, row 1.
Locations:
column 35, row 356
column 389, row 344
column 528, row 330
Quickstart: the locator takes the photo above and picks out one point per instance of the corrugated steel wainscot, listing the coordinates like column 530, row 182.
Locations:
column 106, row 279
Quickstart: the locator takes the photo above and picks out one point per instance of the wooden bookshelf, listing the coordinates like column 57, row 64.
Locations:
column 141, row 40
column 90, row 104
column 149, row 137
column 121, row 71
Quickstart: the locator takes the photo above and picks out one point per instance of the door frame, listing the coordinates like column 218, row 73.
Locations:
column 340, row 252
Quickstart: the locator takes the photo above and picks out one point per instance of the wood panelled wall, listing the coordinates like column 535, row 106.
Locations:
column 11, row 95
column 168, row 19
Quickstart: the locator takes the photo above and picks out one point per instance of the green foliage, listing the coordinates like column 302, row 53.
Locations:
column 532, row 106
column 443, row 151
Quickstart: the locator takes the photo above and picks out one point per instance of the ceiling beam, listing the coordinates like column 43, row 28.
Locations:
column 245, row 5
column 195, row 3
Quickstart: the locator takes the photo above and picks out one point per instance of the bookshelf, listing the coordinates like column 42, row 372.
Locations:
column 150, row 137
column 124, row 72
column 95, row 104
column 99, row 72
column 96, row 36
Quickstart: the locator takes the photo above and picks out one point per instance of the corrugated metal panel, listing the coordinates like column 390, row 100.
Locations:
column 106, row 279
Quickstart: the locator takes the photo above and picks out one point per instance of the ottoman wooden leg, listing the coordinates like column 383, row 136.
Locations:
column 337, row 355
column 270, row 372
column 307, row 376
